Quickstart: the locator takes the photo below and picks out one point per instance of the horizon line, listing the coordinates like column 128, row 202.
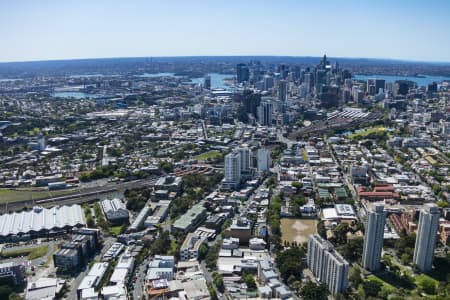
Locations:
column 212, row 56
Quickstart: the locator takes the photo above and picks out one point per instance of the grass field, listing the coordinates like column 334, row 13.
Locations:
column 385, row 285
column 209, row 155
column 32, row 253
column 14, row 195
column 297, row 230
column 420, row 279
column 366, row 132
column 115, row 230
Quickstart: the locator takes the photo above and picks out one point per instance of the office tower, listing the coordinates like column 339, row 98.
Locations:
column 282, row 90
column 321, row 79
column 432, row 87
column 268, row 82
column 251, row 101
column 370, row 87
column 244, row 152
column 263, row 159
column 327, row 265
column 296, row 73
column 324, row 64
column 401, row 87
column 379, row 85
column 207, row 82
column 242, row 73
column 265, row 113
column 233, row 168
column 348, row 83
column 283, row 70
column 308, row 82
column 373, row 238
column 426, row 236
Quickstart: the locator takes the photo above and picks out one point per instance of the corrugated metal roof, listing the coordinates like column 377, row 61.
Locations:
column 40, row 218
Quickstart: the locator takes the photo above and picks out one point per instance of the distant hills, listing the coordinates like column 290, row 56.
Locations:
column 224, row 64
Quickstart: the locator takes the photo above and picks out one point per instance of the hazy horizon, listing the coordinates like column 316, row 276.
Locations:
column 230, row 56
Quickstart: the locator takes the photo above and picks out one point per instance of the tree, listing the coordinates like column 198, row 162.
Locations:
column 290, row 262
column 340, row 233
column 311, row 291
column 90, row 222
column 353, row 249
column 371, row 288
column 202, row 251
column 405, row 258
column 14, row 296
column 166, row 166
column 5, row 291
column 162, row 244
column 249, row 281
column 218, row 282
column 354, row 276
column 428, row 286
column 321, row 230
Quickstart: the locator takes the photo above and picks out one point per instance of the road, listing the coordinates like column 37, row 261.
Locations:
column 138, row 286
column 35, row 262
column 74, row 283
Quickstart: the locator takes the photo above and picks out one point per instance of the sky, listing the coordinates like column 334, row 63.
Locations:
column 69, row 29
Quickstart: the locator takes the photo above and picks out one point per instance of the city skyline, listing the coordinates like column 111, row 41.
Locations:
column 50, row 30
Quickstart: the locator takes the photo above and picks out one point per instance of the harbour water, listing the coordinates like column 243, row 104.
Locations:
column 421, row 81
column 217, row 80
column 75, row 95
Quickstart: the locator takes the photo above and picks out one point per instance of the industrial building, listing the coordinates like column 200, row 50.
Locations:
column 115, row 211
column 39, row 222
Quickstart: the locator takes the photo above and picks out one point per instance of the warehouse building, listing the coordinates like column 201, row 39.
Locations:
column 40, row 222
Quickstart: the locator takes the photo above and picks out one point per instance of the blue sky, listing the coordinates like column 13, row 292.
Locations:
column 64, row 29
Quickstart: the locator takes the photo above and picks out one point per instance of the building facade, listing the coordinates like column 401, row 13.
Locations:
column 426, row 237
column 233, row 168
column 373, row 239
column 327, row 265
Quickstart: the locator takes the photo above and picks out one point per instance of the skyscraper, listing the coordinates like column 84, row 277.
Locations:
column 263, row 159
column 267, row 82
column 282, row 90
column 251, row 101
column 233, row 168
column 244, row 152
column 426, row 237
column 380, row 85
column 373, row 238
column 265, row 113
column 207, row 82
column 308, row 82
column 321, row 79
column 327, row 265
column 242, row 73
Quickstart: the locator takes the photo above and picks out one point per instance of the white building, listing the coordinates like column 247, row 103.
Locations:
column 426, row 237
column 327, row 265
column 93, row 278
column 233, row 168
column 263, row 160
column 191, row 246
column 257, row 244
column 373, row 239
